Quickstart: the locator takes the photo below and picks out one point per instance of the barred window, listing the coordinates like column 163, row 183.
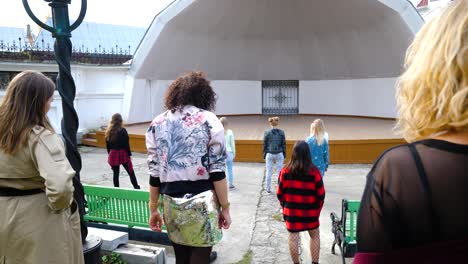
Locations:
column 280, row 97
column 7, row 76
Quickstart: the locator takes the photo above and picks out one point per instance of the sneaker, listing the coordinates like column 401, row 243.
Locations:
column 231, row 186
column 268, row 191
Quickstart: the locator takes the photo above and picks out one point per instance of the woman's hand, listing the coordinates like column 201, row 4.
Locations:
column 155, row 221
column 225, row 219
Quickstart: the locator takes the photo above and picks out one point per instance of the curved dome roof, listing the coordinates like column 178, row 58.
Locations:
column 278, row 39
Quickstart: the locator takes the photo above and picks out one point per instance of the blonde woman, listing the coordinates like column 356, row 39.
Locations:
column 318, row 145
column 39, row 222
column 230, row 150
column 274, row 150
column 414, row 207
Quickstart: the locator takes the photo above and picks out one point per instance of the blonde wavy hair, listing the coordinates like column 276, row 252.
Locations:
column 317, row 129
column 432, row 94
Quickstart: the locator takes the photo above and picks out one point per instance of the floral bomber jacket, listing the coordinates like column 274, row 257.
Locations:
column 186, row 145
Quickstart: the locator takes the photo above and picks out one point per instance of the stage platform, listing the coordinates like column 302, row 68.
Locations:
column 352, row 139
column 298, row 126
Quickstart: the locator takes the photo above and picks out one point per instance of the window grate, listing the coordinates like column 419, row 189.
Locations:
column 280, row 97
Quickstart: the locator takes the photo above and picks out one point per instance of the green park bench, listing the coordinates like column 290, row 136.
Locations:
column 117, row 206
column 344, row 228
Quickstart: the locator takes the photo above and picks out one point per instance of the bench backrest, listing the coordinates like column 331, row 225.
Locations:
column 117, row 205
column 350, row 215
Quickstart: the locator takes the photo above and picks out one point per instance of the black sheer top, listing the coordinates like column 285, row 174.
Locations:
column 415, row 195
column 120, row 142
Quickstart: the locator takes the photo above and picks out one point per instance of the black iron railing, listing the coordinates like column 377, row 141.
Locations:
column 20, row 50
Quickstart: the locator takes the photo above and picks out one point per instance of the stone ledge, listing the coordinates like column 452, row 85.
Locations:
column 139, row 254
column 110, row 239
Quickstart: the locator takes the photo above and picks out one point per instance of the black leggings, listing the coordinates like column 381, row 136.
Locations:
column 116, row 170
column 191, row 255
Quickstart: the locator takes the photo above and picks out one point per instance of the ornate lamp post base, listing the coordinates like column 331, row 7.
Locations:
column 92, row 250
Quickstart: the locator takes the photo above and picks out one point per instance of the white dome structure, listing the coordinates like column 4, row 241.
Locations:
column 334, row 57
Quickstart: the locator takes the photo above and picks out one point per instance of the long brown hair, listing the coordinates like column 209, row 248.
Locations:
column 300, row 162
column 115, row 124
column 22, row 108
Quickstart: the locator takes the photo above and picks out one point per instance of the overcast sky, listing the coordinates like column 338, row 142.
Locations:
column 119, row 12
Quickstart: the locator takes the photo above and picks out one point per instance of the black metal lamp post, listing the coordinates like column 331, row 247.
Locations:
column 61, row 31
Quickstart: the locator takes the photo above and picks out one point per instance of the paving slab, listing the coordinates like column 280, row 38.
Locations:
column 257, row 223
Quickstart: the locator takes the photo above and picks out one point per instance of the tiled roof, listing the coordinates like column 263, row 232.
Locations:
column 88, row 36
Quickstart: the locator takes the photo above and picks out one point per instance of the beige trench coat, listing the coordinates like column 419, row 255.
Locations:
column 39, row 228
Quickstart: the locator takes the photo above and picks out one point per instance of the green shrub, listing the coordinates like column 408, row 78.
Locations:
column 113, row 258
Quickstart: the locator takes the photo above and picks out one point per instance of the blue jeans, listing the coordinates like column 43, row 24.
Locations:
column 278, row 160
column 229, row 163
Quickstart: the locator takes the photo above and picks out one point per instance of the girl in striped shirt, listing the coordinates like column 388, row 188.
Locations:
column 301, row 195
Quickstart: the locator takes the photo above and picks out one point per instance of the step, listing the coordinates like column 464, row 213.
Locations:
column 91, row 135
column 110, row 239
column 142, row 254
column 89, row 142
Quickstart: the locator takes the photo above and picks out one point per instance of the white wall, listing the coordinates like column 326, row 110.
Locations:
column 55, row 113
column 95, row 110
column 103, row 79
column 361, row 97
column 144, row 99
column 238, row 97
column 157, row 92
column 99, row 92
column 137, row 100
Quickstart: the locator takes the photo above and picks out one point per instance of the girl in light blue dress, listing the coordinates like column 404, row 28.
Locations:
column 318, row 144
column 230, row 151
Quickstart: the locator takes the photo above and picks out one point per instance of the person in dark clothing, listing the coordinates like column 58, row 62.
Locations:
column 301, row 195
column 274, row 150
column 414, row 207
column 118, row 148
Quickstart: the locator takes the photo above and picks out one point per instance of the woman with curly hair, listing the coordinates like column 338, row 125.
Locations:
column 187, row 161
column 414, row 207
column 118, row 148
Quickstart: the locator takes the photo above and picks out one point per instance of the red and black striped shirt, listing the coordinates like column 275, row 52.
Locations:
column 301, row 198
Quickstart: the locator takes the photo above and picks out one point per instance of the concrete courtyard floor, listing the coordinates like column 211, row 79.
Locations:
column 257, row 225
